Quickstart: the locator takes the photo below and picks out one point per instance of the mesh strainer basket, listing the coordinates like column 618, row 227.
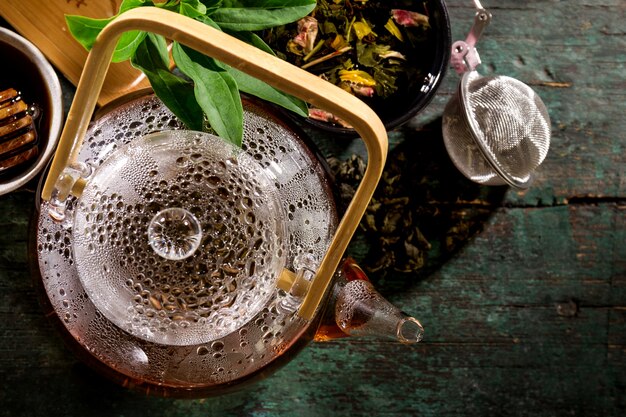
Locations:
column 495, row 129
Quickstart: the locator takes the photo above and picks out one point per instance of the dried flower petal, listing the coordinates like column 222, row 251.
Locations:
column 338, row 43
column 358, row 77
column 393, row 54
column 394, row 30
column 294, row 48
column 409, row 18
column 362, row 90
column 361, row 29
column 325, row 116
column 307, row 32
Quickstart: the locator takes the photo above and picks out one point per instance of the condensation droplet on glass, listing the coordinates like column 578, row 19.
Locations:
column 182, row 162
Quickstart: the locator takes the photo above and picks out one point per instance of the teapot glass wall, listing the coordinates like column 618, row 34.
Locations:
column 129, row 351
column 267, row 338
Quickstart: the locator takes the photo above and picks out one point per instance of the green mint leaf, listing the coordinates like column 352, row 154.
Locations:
column 85, row 30
column 160, row 46
column 252, row 39
column 129, row 41
column 131, row 4
column 258, row 88
column 216, row 92
column 171, row 5
column 209, row 22
column 211, row 5
column 175, row 92
column 192, row 8
column 127, row 45
column 262, row 4
column 251, row 85
column 260, row 14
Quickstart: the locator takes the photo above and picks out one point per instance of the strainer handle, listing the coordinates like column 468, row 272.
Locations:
column 464, row 55
column 253, row 61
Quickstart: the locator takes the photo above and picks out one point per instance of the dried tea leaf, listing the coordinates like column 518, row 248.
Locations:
column 389, row 222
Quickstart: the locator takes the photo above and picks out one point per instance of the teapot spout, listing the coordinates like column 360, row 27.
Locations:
column 360, row 310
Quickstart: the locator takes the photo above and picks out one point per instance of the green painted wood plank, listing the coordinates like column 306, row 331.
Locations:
column 525, row 314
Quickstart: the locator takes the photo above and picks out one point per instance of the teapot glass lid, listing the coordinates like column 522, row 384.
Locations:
column 178, row 237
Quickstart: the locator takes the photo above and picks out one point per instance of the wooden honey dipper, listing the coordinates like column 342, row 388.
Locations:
column 18, row 136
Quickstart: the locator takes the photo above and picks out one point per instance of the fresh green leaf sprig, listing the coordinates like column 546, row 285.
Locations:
column 208, row 91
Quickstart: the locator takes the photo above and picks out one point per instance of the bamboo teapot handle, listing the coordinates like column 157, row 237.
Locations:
column 252, row 61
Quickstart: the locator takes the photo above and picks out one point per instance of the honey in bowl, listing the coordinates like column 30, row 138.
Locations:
column 22, row 98
column 31, row 110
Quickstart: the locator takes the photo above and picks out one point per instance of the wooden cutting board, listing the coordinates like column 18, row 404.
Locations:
column 43, row 23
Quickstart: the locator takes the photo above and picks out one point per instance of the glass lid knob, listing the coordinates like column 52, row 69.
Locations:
column 174, row 233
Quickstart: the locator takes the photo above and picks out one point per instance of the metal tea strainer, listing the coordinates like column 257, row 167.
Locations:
column 495, row 129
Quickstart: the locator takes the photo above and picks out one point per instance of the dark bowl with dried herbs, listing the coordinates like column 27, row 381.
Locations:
column 392, row 54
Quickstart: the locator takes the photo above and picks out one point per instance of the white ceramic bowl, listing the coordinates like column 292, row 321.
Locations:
column 30, row 58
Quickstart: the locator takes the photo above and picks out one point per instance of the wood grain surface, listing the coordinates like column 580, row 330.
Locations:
column 525, row 314
column 43, row 23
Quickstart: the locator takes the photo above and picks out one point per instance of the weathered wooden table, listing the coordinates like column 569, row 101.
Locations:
column 525, row 308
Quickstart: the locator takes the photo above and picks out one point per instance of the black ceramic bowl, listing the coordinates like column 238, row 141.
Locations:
column 433, row 56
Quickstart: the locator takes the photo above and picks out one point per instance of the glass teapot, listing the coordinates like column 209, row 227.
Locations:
column 181, row 265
